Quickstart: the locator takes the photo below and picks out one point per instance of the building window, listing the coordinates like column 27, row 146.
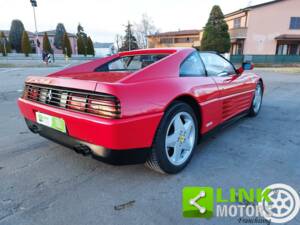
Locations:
column 237, row 23
column 237, row 47
column 282, row 49
column 288, row 49
column 294, row 49
column 151, row 45
column 185, row 40
column 182, row 40
column 295, row 23
column 166, row 40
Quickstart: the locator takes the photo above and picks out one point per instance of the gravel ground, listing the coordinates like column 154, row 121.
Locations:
column 44, row 183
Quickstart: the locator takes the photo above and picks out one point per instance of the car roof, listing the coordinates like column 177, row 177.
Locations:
column 154, row 51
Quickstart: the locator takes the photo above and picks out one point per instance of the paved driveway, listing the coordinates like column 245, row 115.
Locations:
column 44, row 183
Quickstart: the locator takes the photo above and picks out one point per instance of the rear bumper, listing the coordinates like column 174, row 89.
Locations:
column 118, row 134
column 131, row 156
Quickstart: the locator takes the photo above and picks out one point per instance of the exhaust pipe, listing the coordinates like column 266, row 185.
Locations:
column 34, row 129
column 82, row 149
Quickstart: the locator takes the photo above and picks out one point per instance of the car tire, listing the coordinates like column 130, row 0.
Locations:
column 175, row 139
column 257, row 100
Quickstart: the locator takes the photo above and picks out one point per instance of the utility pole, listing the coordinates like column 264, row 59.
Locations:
column 129, row 33
column 37, row 42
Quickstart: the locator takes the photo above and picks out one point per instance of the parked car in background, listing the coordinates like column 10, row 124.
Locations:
column 149, row 105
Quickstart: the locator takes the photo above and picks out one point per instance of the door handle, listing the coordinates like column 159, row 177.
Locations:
column 227, row 80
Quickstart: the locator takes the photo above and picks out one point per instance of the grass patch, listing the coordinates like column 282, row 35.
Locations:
column 7, row 65
column 40, row 65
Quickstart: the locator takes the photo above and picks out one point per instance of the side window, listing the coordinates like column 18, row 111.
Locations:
column 216, row 66
column 192, row 66
column 125, row 63
column 118, row 64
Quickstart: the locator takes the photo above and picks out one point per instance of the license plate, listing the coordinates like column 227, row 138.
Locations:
column 51, row 121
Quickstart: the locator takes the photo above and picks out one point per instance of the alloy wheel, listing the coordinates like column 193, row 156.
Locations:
column 180, row 138
column 257, row 98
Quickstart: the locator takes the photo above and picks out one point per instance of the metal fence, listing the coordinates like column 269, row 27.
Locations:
column 267, row 59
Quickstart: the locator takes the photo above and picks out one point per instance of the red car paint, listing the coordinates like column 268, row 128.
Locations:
column 144, row 95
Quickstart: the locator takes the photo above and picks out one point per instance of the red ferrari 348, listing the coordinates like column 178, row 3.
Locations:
column 149, row 105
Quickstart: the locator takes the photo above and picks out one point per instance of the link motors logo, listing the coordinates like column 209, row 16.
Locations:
column 277, row 203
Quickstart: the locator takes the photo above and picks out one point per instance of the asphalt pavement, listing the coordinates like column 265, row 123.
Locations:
column 44, row 183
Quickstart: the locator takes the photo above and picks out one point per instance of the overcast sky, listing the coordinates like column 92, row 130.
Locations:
column 103, row 19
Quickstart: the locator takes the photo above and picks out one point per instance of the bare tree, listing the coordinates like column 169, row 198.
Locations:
column 119, row 41
column 143, row 29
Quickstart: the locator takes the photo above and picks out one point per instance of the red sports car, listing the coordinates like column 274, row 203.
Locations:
column 149, row 105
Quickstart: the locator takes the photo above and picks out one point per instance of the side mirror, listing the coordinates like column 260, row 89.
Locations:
column 245, row 66
column 240, row 70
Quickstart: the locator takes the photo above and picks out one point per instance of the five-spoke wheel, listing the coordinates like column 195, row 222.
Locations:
column 175, row 139
column 257, row 100
column 180, row 138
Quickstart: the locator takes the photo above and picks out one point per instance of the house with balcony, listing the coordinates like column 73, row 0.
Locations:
column 271, row 28
column 181, row 38
column 237, row 26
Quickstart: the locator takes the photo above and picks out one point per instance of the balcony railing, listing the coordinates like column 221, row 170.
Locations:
column 237, row 33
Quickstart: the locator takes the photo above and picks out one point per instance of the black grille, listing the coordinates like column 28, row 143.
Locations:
column 74, row 100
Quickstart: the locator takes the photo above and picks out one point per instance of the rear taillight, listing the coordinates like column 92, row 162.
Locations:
column 63, row 99
column 77, row 102
column 94, row 105
column 101, row 107
column 33, row 93
column 43, row 95
column 99, row 104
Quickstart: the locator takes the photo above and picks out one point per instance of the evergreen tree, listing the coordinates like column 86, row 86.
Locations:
column 81, row 40
column 129, row 42
column 4, row 44
column 8, row 47
column 81, row 48
column 66, row 46
column 26, row 46
column 46, row 44
column 15, row 35
column 59, row 35
column 80, row 29
column 215, row 35
column 90, row 47
column 82, row 34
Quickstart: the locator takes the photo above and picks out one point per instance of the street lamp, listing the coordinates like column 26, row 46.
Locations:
column 34, row 5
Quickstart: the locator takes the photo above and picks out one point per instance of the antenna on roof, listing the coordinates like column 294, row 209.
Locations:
column 249, row 3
